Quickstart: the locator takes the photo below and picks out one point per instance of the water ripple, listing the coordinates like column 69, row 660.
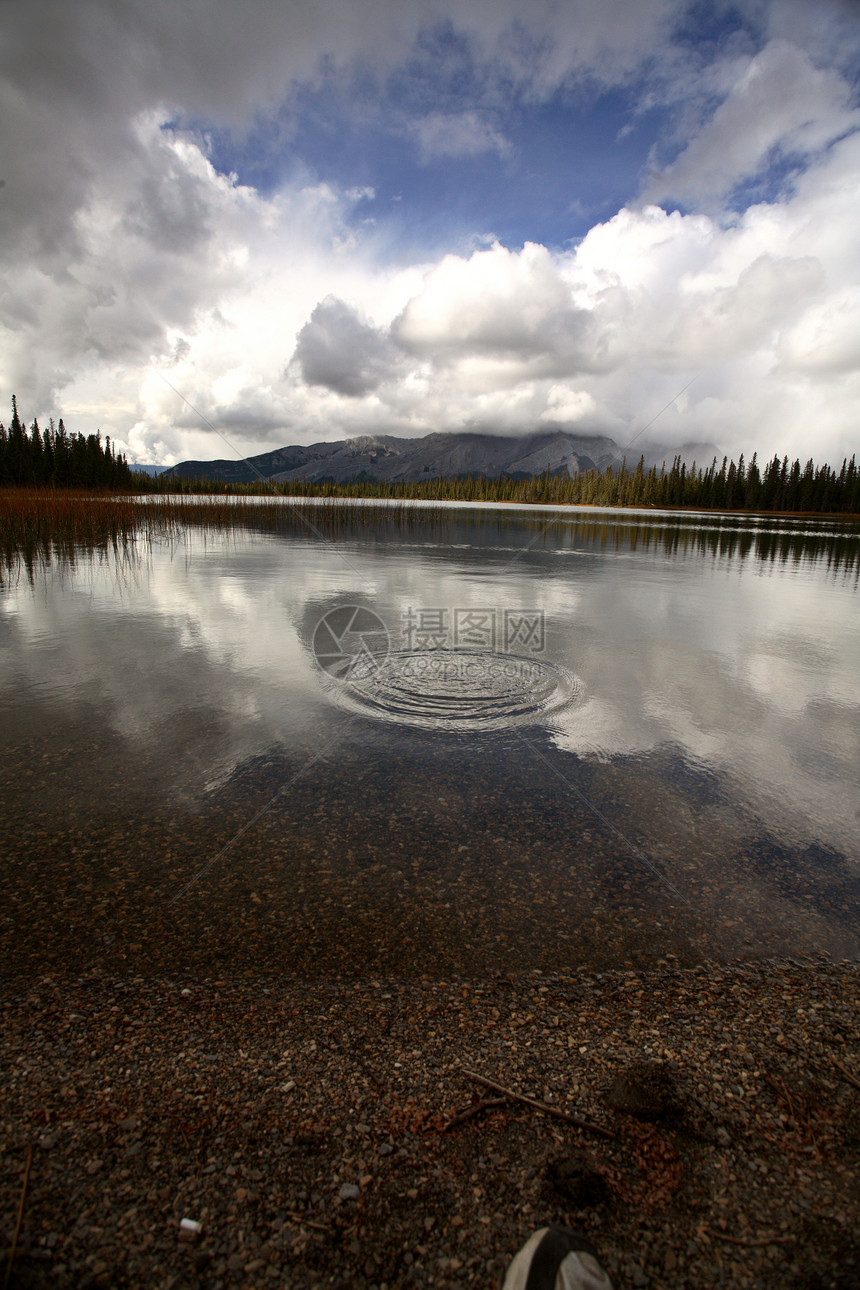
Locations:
column 457, row 689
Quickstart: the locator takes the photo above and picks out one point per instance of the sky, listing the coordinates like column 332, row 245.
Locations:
column 226, row 228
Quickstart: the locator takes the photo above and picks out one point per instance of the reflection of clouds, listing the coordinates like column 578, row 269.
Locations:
column 733, row 672
column 779, row 681
column 192, row 657
column 751, row 673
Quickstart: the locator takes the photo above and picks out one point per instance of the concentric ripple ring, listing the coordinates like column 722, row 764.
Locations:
column 457, row 689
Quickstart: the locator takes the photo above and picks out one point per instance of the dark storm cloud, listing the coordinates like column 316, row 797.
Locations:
column 336, row 349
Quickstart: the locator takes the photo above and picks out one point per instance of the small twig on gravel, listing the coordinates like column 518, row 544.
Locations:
column 539, row 1106
column 475, row 1109
column 782, row 1093
column 307, row 1222
column 846, row 1030
column 846, row 1074
column 758, row 1243
column 371, row 1075
column 20, row 1215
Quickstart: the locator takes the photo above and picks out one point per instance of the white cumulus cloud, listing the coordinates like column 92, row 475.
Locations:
column 780, row 103
column 284, row 315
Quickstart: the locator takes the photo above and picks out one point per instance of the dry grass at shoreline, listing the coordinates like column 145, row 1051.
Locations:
column 40, row 526
column 43, row 527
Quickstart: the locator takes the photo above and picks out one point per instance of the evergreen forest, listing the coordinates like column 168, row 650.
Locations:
column 732, row 486
column 53, row 458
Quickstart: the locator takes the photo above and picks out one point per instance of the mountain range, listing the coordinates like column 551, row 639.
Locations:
column 371, row 458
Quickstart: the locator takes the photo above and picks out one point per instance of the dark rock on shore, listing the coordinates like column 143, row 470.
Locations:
column 646, row 1090
column 577, row 1182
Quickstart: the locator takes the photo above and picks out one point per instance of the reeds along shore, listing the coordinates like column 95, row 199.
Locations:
column 42, row 527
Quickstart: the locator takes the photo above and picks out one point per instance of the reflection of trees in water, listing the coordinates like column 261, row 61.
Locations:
column 724, row 537
column 41, row 530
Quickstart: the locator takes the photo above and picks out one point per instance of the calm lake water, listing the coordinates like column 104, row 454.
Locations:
column 460, row 742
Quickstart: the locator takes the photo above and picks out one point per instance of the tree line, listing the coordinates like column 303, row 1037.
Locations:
column 780, row 486
column 53, row 458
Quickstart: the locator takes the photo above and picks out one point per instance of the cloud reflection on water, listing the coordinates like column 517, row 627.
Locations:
column 717, row 729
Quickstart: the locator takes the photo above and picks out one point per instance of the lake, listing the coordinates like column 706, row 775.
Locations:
column 443, row 741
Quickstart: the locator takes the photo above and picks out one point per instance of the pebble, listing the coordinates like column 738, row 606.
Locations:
column 378, row 1078
column 647, row 1090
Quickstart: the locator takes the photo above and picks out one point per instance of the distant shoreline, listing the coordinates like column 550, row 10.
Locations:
column 9, row 494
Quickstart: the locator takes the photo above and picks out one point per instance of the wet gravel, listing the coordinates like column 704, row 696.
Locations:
column 304, row 1127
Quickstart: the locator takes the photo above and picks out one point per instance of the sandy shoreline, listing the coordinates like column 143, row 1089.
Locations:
column 303, row 1125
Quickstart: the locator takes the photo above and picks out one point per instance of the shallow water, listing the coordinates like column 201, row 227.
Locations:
column 487, row 740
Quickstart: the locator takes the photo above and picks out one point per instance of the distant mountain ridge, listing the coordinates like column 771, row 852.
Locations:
column 145, row 468
column 371, row 458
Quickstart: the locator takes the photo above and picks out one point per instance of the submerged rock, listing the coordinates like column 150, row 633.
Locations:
column 646, row 1090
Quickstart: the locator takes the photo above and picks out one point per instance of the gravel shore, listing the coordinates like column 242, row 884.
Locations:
column 306, row 1127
